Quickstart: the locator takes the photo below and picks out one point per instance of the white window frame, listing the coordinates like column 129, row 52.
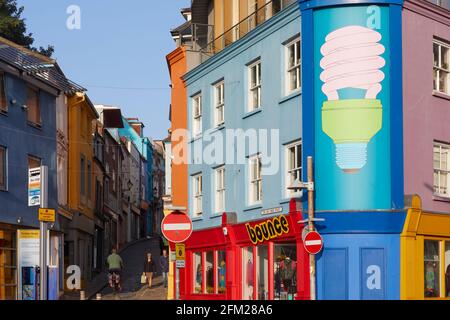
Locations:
column 256, row 87
column 438, row 69
column 219, row 104
column 197, row 114
column 290, row 171
column 197, row 195
column 296, row 68
column 219, row 189
column 255, row 181
column 438, row 188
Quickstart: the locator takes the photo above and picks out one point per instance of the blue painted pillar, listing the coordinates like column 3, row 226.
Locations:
column 352, row 126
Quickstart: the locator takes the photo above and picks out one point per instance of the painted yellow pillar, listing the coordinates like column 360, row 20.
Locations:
column 170, row 277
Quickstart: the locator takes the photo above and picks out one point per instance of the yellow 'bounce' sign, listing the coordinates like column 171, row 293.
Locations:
column 267, row 230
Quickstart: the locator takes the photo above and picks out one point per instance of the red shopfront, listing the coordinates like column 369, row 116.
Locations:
column 258, row 260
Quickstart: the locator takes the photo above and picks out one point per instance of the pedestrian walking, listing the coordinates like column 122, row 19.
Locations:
column 149, row 268
column 164, row 264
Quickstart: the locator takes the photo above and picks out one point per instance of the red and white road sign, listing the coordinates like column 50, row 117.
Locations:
column 176, row 227
column 313, row 242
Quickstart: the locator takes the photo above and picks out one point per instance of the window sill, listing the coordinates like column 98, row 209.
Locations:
column 218, row 128
column 253, row 207
column 216, row 215
column 290, row 96
column 252, row 113
column 197, row 219
column 441, row 198
column 285, row 200
column 441, row 95
column 197, row 137
column 35, row 125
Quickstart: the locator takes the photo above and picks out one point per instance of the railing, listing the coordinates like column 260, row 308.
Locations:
column 256, row 18
column 195, row 35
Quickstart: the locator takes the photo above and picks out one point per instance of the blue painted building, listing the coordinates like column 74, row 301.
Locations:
column 279, row 109
column 29, row 86
column 245, row 150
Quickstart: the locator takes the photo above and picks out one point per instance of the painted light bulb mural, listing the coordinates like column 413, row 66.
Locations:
column 351, row 59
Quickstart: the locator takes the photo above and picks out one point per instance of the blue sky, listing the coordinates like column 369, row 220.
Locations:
column 121, row 45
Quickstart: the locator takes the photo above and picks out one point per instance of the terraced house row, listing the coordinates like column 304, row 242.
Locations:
column 105, row 177
column 361, row 86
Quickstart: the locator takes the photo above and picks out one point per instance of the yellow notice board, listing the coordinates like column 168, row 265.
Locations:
column 180, row 250
column 47, row 215
column 28, row 234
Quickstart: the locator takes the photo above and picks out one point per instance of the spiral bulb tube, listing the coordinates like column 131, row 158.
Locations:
column 352, row 59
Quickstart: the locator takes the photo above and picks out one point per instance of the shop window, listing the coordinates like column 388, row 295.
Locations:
column 209, row 272
column 263, row 273
column 248, row 280
column 198, row 278
column 33, row 106
column 447, row 269
column 221, row 272
column 431, row 264
column 8, row 265
column 285, row 271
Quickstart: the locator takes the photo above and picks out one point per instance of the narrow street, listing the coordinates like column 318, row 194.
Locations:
column 133, row 258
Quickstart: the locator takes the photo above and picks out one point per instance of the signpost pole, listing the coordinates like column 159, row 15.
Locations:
column 43, row 235
column 312, row 258
column 177, row 287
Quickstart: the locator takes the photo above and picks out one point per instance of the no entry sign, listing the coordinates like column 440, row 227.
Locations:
column 313, row 242
column 176, row 227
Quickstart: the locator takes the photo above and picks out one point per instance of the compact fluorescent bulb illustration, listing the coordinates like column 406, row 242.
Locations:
column 352, row 59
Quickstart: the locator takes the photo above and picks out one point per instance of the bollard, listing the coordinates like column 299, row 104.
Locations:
column 82, row 295
column 99, row 296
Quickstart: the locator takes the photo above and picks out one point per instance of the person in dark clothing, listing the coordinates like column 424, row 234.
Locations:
column 161, row 244
column 149, row 269
column 164, row 263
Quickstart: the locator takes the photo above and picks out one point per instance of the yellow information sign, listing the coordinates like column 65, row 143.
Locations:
column 180, row 250
column 47, row 215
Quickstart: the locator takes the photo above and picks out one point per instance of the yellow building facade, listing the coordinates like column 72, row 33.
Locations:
column 425, row 254
column 81, row 194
